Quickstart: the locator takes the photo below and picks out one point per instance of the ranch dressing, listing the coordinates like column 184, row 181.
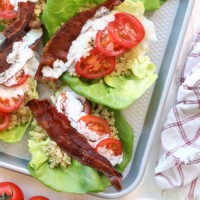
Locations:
column 20, row 54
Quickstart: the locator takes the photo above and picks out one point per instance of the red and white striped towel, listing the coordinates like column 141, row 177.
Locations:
column 179, row 165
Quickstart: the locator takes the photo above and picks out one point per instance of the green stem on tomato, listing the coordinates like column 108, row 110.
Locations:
column 5, row 196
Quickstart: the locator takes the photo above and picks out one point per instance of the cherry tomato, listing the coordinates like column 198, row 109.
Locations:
column 11, row 104
column 111, row 144
column 10, row 191
column 38, row 198
column 18, row 79
column 126, row 30
column 6, row 10
column 4, row 121
column 96, row 124
column 96, row 65
column 106, row 45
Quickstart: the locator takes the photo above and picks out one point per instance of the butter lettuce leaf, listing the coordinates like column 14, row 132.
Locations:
column 151, row 5
column 76, row 178
column 15, row 134
column 116, row 92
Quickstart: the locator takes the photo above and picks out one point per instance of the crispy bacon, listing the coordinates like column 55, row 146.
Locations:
column 58, row 46
column 24, row 15
column 59, row 130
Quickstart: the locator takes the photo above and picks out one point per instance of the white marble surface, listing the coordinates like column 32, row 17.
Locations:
column 147, row 188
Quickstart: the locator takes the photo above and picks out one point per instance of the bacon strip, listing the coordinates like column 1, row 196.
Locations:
column 24, row 15
column 59, row 130
column 58, row 46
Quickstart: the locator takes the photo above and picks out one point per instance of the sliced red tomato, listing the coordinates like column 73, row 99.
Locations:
column 4, row 121
column 11, row 104
column 96, row 124
column 6, row 10
column 111, row 144
column 106, row 45
column 126, row 30
column 18, row 79
column 96, row 65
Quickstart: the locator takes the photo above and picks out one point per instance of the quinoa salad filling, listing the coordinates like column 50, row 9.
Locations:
column 23, row 114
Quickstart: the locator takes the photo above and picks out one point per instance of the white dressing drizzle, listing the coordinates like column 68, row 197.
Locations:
column 68, row 103
column 13, row 91
column 20, row 54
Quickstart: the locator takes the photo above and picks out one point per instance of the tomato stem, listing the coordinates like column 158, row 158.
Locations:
column 5, row 196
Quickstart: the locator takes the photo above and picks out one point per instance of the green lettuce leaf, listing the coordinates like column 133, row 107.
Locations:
column 15, row 134
column 151, row 5
column 114, row 92
column 77, row 178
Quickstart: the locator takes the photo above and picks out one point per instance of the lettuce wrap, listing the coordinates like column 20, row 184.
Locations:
column 15, row 134
column 114, row 91
column 76, row 177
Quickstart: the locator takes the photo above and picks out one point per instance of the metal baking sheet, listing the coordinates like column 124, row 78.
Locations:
column 170, row 22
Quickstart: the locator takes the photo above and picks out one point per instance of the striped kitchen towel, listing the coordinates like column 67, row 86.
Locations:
column 179, row 165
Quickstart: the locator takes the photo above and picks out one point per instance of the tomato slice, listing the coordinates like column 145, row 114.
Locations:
column 126, row 30
column 96, row 65
column 6, row 10
column 111, row 144
column 106, row 45
column 4, row 121
column 96, row 124
column 18, row 79
column 11, row 104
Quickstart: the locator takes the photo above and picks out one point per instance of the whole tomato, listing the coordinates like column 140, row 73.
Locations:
column 10, row 191
column 38, row 198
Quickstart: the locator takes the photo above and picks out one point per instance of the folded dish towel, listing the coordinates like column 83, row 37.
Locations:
column 179, row 165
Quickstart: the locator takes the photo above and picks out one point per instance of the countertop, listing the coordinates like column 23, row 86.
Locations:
column 147, row 188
